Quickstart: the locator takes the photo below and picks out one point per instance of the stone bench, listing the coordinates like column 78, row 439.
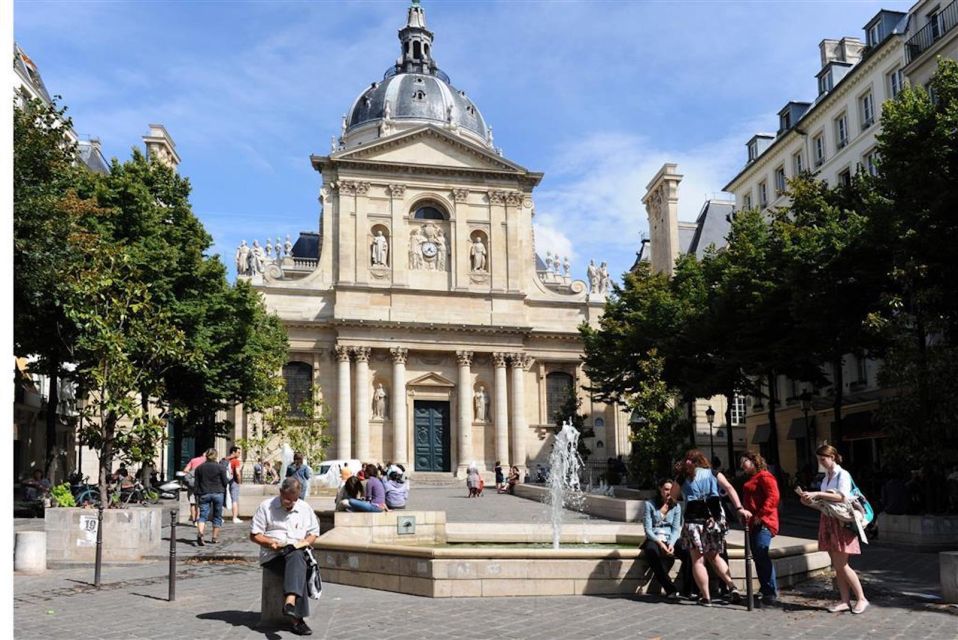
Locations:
column 30, row 554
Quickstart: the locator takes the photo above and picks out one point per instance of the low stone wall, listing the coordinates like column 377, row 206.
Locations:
column 948, row 575
column 128, row 534
column 608, row 508
column 919, row 533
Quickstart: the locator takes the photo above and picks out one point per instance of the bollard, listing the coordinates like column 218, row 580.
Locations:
column 99, row 545
column 173, row 515
column 30, row 555
column 749, row 595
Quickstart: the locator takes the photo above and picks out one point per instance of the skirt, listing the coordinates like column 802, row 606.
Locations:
column 833, row 535
column 705, row 538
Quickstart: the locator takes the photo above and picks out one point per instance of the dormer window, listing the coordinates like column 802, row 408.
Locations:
column 471, row 110
column 419, row 95
column 873, row 37
column 752, row 150
column 825, row 83
column 785, row 121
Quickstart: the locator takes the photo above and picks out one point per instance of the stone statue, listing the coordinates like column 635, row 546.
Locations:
column 480, row 402
column 257, row 260
column 269, row 249
column 279, row 246
column 379, row 402
column 566, row 265
column 605, row 282
column 477, row 255
column 593, row 272
column 548, row 261
column 345, row 125
column 242, row 259
column 441, row 253
column 288, row 247
column 416, row 238
column 489, row 139
column 380, row 249
column 333, row 144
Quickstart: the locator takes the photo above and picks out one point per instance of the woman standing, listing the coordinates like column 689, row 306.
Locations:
column 833, row 537
column 473, row 481
column 663, row 525
column 705, row 526
column 760, row 497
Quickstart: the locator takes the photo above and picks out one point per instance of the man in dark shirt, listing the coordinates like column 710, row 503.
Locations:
column 211, row 484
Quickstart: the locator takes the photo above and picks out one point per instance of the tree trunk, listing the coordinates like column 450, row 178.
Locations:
column 108, row 431
column 838, row 379
column 53, row 400
column 729, row 399
column 772, row 428
column 146, row 465
column 691, row 411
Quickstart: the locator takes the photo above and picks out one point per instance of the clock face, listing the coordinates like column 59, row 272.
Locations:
column 429, row 249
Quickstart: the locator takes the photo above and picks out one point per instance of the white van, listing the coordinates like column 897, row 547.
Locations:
column 328, row 474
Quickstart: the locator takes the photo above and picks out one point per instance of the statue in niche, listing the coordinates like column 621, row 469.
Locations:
column 288, row 246
column 416, row 238
column 477, row 254
column 605, row 282
column 242, row 259
column 480, row 402
column 441, row 251
column 257, row 260
column 379, row 402
column 593, row 273
column 380, row 249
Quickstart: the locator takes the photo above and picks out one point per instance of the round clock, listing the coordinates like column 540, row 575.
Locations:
column 429, row 249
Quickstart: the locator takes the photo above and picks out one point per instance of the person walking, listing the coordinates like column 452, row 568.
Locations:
column 760, row 497
column 839, row 541
column 705, row 527
column 211, row 486
column 236, row 478
column 299, row 469
column 473, row 481
column 285, row 528
column 662, row 518
column 190, row 481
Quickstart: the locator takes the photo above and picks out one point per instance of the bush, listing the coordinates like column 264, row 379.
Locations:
column 62, row 496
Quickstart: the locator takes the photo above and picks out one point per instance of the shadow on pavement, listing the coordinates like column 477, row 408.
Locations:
column 146, row 595
column 248, row 619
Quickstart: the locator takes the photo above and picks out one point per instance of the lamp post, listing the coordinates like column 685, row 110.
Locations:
column 710, row 416
column 806, row 399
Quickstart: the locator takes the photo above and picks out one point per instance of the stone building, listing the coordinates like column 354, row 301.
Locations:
column 420, row 309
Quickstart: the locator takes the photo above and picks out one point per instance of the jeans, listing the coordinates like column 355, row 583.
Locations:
column 361, row 505
column 761, row 540
column 214, row 500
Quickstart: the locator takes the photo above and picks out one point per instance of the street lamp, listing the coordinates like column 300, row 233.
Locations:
column 710, row 416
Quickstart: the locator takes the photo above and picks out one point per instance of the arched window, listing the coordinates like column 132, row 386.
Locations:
column 416, row 50
column 299, row 385
column 558, row 388
column 428, row 212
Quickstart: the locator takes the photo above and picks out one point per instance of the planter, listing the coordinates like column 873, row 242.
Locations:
column 128, row 534
column 920, row 533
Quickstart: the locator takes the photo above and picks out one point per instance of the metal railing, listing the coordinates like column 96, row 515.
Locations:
column 932, row 32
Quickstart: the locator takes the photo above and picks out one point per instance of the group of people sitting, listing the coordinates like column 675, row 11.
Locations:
column 373, row 489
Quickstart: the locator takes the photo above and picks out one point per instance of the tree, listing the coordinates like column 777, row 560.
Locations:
column 304, row 428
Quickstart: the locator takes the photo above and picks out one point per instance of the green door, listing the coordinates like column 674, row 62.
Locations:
column 432, row 435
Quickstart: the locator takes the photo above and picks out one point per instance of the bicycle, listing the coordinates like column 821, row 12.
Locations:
column 137, row 494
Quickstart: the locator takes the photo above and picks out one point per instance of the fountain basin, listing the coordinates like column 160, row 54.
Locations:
column 367, row 550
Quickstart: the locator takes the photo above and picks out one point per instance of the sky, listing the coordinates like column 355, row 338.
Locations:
column 597, row 95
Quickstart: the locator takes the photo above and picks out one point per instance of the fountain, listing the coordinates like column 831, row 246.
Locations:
column 564, row 490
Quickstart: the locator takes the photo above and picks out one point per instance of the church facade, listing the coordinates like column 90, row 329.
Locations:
column 436, row 335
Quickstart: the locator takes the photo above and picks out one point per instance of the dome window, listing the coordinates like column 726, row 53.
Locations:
column 471, row 110
column 419, row 95
column 428, row 213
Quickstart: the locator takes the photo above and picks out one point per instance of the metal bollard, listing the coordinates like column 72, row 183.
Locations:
column 173, row 515
column 99, row 546
column 749, row 595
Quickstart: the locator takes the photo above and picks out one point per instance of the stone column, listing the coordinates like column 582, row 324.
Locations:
column 344, row 422
column 465, row 410
column 362, row 402
column 400, row 446
column 519, row 361
column 502, row 409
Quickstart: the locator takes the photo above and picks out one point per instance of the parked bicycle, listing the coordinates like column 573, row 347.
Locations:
column 84, row 493
column 136, row 494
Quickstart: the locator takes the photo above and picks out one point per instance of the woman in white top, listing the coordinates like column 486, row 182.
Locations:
column 833, row 537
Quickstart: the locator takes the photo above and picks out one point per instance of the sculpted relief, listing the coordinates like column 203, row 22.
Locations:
column 428, row 248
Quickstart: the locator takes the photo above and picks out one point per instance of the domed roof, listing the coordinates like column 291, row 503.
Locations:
column 414, row 90
column 417, row 96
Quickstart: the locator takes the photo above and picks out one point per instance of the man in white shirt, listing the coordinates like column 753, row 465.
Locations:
column 284, row 527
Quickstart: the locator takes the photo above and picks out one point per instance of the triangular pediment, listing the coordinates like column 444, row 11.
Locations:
column 431, row 379
column 430, row 146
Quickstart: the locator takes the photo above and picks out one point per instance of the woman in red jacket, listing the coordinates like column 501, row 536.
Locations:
column 760, row 499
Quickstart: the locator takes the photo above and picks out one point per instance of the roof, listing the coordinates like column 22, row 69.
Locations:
column 28, row 69
column 711, row 227
column 91, row 155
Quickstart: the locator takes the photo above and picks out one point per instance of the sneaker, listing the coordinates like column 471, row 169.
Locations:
column 841, row 606
column 237, row 521
column 673, row 596
column 735, row 596
column 705, row 603
column 300, row 628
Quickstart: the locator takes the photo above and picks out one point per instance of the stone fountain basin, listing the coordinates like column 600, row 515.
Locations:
column 367, row 550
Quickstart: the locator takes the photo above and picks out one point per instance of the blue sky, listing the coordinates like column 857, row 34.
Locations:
column 595, row 94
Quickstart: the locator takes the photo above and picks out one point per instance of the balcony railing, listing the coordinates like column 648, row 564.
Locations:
column 932, row 32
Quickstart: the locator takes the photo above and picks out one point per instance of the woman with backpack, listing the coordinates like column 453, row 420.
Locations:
column 833, row 536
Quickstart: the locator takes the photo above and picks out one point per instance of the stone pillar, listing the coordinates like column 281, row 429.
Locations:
column 519, row 361
column 502, row 409
column 344, row 422
column 362, row 402
column 464, row 450
column 400, row 446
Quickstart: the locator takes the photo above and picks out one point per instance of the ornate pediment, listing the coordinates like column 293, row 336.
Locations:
column 431, row 379
column 428, row 146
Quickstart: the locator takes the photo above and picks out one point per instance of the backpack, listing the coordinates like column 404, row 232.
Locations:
column 861, row 502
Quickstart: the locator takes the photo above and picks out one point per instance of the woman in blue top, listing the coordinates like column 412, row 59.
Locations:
column 663, row 524
column 705, row 526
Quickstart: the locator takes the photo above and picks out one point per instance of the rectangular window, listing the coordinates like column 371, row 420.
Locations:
column 862, row 370
column 841, row 130
column 845, row 178
column 874, row 33
column 797, row 163
column 752, row 151
column 738, row 410
column 824, row 83
column 762, row 194
column 934, row 19
column 780, row 180
column 819, row 146
column 870, row 162
column 747, row 201
column 894, row 83
column 867, row 107
column 785, row 121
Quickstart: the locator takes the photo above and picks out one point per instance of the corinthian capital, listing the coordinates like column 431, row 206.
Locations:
column 396, row 190
column 342, row 353
column 361, row 354
column 399, row 354
column 500, row 359
column 513, row 198
column 460, row 195
column 497, row 197
column 519, row 360
column 464, row 358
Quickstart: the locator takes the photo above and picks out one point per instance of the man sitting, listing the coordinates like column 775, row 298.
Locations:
column 285, row 527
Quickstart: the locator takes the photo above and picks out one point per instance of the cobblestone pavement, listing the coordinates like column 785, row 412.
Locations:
column 217, row 596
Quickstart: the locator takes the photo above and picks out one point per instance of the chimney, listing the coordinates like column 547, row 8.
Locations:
column 160, row 146
column 848, row 50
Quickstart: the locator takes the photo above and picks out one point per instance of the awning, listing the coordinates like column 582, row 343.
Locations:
column 797, row 429
column 762, row 433
column 860, row 426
